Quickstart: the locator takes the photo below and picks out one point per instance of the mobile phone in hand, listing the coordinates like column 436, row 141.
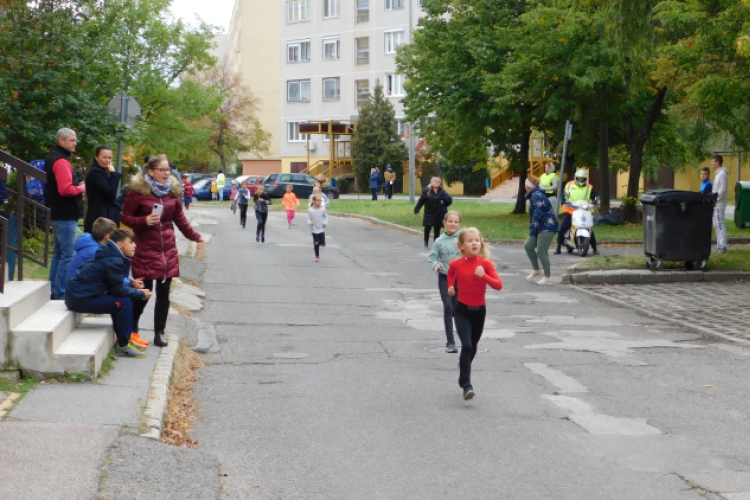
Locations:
column 158, row 209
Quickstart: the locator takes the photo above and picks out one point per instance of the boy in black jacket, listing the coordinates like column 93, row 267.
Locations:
column 98, row 288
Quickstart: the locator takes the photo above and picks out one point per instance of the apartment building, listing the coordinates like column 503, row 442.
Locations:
column 332, row 52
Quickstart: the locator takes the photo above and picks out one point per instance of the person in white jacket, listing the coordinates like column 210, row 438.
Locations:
column 720, row 188
column 318, row 220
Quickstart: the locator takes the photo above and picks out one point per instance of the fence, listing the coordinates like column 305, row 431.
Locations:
column 24, row 223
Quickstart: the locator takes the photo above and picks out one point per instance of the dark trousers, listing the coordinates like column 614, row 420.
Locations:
column 565, row 226
column 374, row 192
column 120, row 308
column 427, row 230
column 469, row 325
column 261, row 218
column 388, row 190
column 243, row 214
column 161, row 308
column 319, row 240
column 449, row 304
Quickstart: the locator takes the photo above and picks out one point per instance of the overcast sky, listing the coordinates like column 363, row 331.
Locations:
column 216, row 12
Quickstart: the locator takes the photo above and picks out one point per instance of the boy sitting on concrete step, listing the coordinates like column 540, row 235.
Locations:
column 98, row 288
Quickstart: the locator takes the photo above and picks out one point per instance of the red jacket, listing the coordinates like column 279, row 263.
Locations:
column 156, row 251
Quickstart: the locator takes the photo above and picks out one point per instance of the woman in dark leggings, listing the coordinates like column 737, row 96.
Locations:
column 156, row 260
column 262, row 200
column 435, row 201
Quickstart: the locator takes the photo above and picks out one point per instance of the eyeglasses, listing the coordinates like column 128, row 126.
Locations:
column 162, row 170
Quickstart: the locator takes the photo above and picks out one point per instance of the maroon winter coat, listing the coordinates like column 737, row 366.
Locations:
column 156, row 251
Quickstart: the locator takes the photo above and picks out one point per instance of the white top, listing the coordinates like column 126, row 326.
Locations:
column 317, row 218
column 720, row 186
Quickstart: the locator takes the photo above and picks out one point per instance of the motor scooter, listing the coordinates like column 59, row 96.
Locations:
column 581, row 230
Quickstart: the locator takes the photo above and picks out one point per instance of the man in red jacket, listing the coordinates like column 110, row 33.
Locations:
column 65, row 201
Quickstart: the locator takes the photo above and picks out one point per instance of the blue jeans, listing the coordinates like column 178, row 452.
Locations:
column 221, row 193
column 120, row 308
column 65, row 232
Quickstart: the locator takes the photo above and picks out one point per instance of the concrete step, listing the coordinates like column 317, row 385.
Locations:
column 34, row 341
column 20, row 300
column 86, row 347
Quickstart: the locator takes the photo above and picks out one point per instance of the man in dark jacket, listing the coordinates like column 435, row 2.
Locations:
column 65, row 201
column 98, row 288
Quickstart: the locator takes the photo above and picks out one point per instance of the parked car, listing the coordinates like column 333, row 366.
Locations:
column 252, row 181
column 195, row 177
column 203, row 189
column 275, row 185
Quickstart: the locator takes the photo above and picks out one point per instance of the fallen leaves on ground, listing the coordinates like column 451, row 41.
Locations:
column 182, row 409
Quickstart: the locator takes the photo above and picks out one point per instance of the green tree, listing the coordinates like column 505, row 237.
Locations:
column 377, row 143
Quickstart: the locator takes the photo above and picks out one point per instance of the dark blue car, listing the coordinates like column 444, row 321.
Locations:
column 203, row 190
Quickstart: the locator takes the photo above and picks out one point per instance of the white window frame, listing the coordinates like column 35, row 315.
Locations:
column 394, row 85
column 292, row 132
column 331, row 9
column 298, row 46
column 357, row 50
column 394, row 4
column 300, row 84
column 356, row 93
column 336, row 43
column 363, row 14
column 392, row 41
column 298, row 11
column 336, row 90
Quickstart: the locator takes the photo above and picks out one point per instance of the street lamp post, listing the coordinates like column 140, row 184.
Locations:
column 412, row 155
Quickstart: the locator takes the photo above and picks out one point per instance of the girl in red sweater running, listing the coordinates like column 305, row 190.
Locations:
column 474, row 271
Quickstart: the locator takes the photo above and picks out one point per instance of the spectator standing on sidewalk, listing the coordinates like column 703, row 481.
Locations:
column 65, row 201
column 707, row 187
column 102, row 181
column 374, row 183
column 221, row 181
column 548, row 182
column 542, row 230
column 156, row 259
column 720, row 188
column 390, row 178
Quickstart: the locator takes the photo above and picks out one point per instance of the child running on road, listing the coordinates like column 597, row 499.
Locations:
column 290, row 203
column 443, row 252
column 261, row 200
column 472, row 272
column 187, row 193
column 318, row 220
column 243, row 198
column 317, row 190
column 233, row 197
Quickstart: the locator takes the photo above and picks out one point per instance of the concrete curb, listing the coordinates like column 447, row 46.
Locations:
column 685, row 324
column 644, row 276
column 158, row 392
column 7, row 405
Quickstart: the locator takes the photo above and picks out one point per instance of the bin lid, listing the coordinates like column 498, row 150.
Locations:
column 673, row 196
column 742, row 185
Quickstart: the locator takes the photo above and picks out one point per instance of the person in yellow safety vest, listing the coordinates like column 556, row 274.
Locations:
column 221, row 181
column 548, row 182
column 576, row 190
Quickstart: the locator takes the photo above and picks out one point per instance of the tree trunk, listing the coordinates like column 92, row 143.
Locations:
column 604, row 148
column 523, row 170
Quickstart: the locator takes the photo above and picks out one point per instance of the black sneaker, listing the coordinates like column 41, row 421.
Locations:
column 596, row 252
column 468, row 392
column 451, row 348
column 557, row 252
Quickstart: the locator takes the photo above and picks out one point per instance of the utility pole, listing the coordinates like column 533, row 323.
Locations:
column 568, row 134
column 412, row 154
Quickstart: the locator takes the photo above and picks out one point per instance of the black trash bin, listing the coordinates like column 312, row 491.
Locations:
column 677, row 227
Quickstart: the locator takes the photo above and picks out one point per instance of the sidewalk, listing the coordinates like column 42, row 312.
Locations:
column 81, row 441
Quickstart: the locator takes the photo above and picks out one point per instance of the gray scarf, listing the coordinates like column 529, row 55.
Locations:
column 158, row 188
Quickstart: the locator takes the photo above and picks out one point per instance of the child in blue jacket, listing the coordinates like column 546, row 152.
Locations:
column 98, row 288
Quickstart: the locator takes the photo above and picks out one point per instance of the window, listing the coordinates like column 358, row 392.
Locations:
column 331, row 48
column 331, row 8
column 298, row 91
column 394, row 84
column 292, row 132
column 363, row 50
column 400, row 126
column 298, row 51
column 331, row 89
column 394, row 4
column 298, row 10
column 363, row 92
column 363, row 11
column 393, row 40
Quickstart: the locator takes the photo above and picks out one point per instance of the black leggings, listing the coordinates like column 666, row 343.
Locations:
column 261, row 217
column 243, row 214
column 427, row 230
column 319, row 240
column 449, row 305
column 469, row 326
column 161, row 308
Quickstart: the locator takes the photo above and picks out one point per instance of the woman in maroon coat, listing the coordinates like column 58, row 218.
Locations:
column 156, row 258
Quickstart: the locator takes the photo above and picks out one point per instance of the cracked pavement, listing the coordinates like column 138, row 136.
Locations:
column 329, row 381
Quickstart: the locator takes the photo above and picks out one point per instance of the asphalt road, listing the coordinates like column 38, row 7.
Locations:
column 330, row 382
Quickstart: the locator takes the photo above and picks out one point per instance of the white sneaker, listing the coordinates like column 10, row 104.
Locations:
column 534, row 274
column 544, row 281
